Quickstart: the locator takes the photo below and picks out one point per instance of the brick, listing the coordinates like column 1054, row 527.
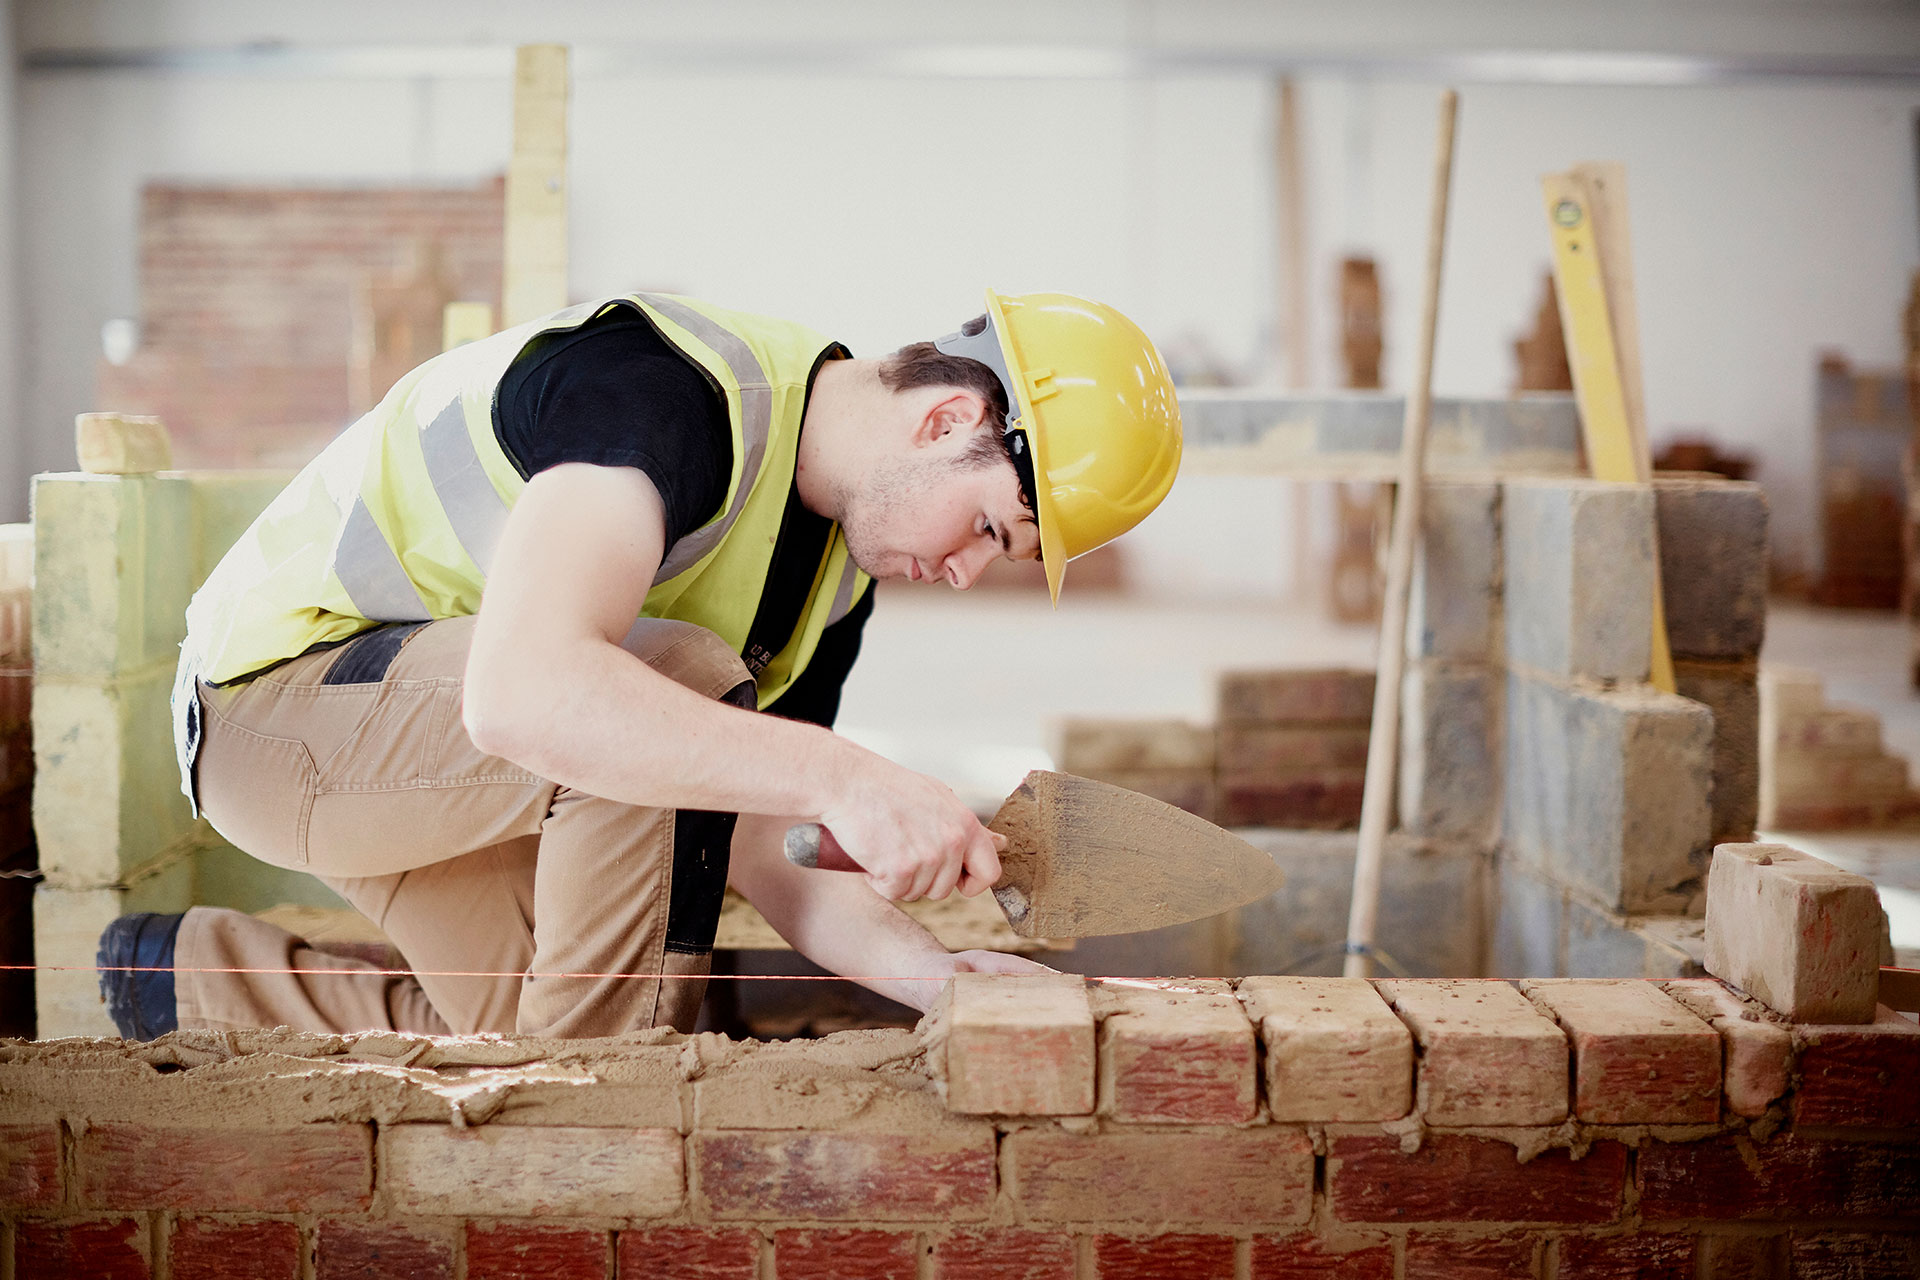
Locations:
column 1453, row 1178
column 1281, row 749
column 1088, row 747
column 311, row 1168
column 1794, row 932
column 1321, row 696
column 1578, row 559
column 1789, row 1177
column 1328, row 799
column 1829, row 731
column 937, row 1175
column 1732, row 692
column 1155, row 1257
column 1175, row 1052
column 1194, row 790
column 687, row 1253
column 264, row 1249
column 527, row 1171
column 30, row 1166
column 1609, row 790
column 1473, row 1258
column 1453, row 609
column 1335, row 1051
column 1449, row 775
column 844, row 1255
column 121, row 444
column 1003, row 1254
column 1743, row 1257
column 1814, row 782
column 1756, row 1054
column 110, row 598
column 515, row 1251
column 1826, row 1256
column 1487, row 1056
column 100, row 1249
column 1644, row 1255
column 1006, row 1044
column 1253, row 1176
column 1859, row 1075
column 1638, row 1057
column 349, row 1249
column 1713, row 565
column 1307, row 1257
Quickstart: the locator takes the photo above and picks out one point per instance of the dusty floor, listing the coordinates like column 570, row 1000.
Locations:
column 1021, row 665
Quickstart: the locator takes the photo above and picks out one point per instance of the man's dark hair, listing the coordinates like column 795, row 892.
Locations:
column 921, row 364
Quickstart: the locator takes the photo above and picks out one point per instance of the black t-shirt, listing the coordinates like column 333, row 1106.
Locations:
column 613, row 393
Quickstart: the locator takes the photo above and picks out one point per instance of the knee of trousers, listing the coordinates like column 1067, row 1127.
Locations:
column 693, row 656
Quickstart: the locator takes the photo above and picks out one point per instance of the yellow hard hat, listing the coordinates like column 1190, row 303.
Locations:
column 1092, row 422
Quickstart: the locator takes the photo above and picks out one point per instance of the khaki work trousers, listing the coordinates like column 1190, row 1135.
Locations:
column 354, row 764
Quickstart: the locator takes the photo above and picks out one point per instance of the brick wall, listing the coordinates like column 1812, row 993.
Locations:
column 1270, row 1128
column 270, row 317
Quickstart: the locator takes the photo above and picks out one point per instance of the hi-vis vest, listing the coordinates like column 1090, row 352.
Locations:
column 398, row 518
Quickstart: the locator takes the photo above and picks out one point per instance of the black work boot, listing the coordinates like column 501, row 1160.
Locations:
column 136, row 974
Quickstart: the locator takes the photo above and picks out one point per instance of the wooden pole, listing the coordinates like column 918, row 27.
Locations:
column 1383, row 743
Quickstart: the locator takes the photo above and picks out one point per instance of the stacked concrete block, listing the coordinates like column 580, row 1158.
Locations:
column 1449, row 771
column 1795, row 932
column 1170, row 760
column 1292, row 747
column 1824, row 767
column 1713, row 578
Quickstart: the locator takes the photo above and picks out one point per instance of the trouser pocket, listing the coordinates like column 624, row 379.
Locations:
column 255, row 790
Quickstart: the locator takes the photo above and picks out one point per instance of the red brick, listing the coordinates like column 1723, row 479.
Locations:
column 354, row 1249
column 263, row 1249
column 941, row 1175
column 1306, row 1257
column 1855, row 1257
column 1757, row 1054
column 1452, row 1178
column 30, row 1166
column 1007, row 1044
column 1175, row 1051
column 1644, row 1255
column 99, row 1249
column 1319, row 696
column 1260, row 1177
column 515, row 1251
column 1787, row 1177
column 302, row 1169
column 688, row 1253
column 1742, row 1257
column 844, row 1255
column 1003, row 1254
column 1859, row 1075
column 1157, row 1257
column 1328, row 799
column 1282, row 748
column 1638, row 1056
column 1473, row 1258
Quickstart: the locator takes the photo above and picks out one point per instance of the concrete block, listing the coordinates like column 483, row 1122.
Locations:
column 1487, row 1056
column 110, row 581
column 1601, row 944
column 1299, row 929
column 1638, row 1057
column 1283, row 749
column 121, row 444
column 1609, row 790
column 1335, row 1051
column 106, row 795
column 1089, row 747
column 1676, row 945
column 1713, row 566
column 1530, row 924
column 1796, row 933
column 1449, row 775
column 1454, row 608
column 1732, row 692
column 226, row 877
column 1177, row 1052
column 1003, row 1044
column 1578, row 557
column 224, row 504
column 1319, row 696
column 66, row 942
column 1320, row 799
column 1757, row 1052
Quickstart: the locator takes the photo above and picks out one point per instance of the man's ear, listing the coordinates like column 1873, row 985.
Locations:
column 956, row 411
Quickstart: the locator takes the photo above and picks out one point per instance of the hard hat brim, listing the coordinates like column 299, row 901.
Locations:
column 1053, row 547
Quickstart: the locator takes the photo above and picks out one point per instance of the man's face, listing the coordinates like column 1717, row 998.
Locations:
column 927, row 517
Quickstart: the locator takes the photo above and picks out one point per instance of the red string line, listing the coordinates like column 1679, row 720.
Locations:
column 464, row 973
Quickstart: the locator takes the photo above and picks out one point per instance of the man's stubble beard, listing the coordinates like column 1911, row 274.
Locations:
column 889, row 492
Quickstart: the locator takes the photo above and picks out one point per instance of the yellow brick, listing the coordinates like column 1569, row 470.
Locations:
column 112, row 573
column 121, row 444
column 224, row 504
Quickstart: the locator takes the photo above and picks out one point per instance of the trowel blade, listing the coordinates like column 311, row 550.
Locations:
column 1085, row 859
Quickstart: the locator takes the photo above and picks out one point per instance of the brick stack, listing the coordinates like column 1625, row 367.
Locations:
column 1040, row 1127
column 1824, row 767
column 1170, row 760
column 1293, row 747
column 1862, row 435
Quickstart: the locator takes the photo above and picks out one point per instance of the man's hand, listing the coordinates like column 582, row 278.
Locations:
column 913, row 836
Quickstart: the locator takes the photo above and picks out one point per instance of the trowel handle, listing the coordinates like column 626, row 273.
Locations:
column 812, row 846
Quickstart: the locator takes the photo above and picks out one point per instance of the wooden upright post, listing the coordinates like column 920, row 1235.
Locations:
column 536, row 249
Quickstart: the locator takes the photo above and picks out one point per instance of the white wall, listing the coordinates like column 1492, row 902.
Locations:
column 1771, row 219
column 13, row 472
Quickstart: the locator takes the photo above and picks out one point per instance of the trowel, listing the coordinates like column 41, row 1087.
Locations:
column 1085, row 859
